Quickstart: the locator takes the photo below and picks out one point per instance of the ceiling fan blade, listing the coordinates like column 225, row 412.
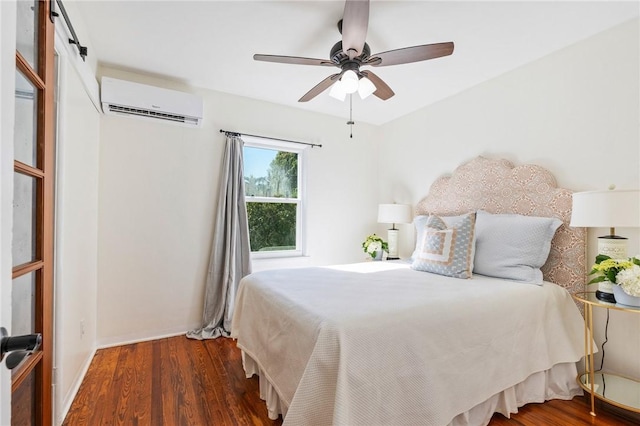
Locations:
column 383, row 91
column 354, row 26
column 320, row 87
column 411, row 54
column 293, row 60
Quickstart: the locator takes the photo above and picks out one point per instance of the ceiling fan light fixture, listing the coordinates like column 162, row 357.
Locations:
column 337, row 91
column 365, row 88
column 350, row 81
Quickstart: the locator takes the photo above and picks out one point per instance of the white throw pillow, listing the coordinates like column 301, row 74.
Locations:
column 513, row 246
column 419, row 223
column 447, row 249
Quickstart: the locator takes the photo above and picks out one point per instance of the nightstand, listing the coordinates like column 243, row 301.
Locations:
column 617, row 390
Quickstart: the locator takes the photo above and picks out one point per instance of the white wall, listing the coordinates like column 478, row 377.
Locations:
column 76, row 238
column 575, row 112
column 7, row 83
column 76, row 235
column 158, row 194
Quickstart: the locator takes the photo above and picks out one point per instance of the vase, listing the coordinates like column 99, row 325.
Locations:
column 378, row 255
column 623, row 298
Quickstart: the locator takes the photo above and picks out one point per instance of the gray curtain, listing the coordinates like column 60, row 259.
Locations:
column 230, row 251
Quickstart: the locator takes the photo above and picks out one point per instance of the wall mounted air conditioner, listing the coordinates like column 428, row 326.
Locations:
column 130, row 99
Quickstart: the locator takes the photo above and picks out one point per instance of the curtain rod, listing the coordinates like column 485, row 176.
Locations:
column 312, row 145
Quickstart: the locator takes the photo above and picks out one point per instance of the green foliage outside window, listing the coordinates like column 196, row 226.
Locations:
column 272, row 226
column 287, row 163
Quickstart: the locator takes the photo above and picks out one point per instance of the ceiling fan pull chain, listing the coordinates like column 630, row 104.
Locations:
column 350, row 123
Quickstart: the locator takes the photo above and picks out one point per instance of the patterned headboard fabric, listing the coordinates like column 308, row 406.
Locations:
column 497, row 186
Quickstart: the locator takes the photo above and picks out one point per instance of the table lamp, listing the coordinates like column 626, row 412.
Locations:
column 607, row 209
column 393, row 213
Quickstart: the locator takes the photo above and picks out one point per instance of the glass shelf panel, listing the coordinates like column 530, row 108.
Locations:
column 615, row 389
column 590, row 298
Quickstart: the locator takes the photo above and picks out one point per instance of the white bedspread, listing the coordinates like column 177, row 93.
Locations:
column 378, row 343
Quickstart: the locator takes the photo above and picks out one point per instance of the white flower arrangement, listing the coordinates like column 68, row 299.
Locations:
column 629, row 280
column 622, row 272
column 373, row 244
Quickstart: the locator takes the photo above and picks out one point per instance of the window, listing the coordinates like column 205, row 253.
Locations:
column 274, row 196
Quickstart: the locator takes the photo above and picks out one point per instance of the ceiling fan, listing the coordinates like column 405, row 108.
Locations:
column 352, row 52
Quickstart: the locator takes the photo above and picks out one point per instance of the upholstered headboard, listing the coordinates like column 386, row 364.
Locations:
column 497, row 186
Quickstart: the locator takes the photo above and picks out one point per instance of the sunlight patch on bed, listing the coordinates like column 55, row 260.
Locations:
column 369, row 267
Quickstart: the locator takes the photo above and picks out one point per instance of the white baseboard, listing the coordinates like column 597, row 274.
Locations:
column 109, row 342
column 71, row 395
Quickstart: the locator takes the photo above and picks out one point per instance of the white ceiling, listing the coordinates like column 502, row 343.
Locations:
column 211, row 44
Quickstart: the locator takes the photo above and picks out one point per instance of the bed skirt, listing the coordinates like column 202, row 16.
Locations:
column 559, row 382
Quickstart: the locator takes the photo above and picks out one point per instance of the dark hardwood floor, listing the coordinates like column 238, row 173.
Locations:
column 178, row 381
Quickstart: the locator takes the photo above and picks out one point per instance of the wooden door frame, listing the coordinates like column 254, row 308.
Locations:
column 44, row 80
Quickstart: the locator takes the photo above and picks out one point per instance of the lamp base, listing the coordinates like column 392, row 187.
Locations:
column 613, row 246
column 392, row 241
column 392, row 258
column 605, row 297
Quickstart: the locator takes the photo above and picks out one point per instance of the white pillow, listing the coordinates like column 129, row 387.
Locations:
column 513, row 246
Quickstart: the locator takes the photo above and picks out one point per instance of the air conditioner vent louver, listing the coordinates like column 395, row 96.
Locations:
column 136, row 100
column 146, row 113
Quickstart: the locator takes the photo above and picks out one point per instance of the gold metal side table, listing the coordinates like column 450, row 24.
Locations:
column 623, row 392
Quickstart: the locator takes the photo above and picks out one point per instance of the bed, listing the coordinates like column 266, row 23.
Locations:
column 408, row 342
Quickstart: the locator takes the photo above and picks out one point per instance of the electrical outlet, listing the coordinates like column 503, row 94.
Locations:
column 82, row 328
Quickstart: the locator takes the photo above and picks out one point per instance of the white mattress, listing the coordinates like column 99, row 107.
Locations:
column 379, row 343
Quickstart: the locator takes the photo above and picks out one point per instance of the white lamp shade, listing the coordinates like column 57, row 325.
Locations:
column 365, row 88
column 606, row 209
column 349, row 81
column 394, row 213
column 337, row 91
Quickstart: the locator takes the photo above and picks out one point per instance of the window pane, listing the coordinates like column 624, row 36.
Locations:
column 23, row 305
column 24, row 142
column 272, row 226
column 27, row 31
column 24, row 219
column 270, row 173
column 23, row 401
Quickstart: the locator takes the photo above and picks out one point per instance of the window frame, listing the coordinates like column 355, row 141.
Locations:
column 300, row 150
